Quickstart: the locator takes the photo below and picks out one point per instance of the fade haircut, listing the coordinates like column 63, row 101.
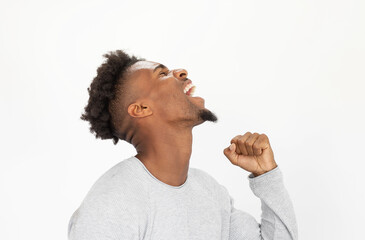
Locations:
column 105, row 93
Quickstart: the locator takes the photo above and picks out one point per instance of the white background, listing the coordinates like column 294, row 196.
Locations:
column 293, row 70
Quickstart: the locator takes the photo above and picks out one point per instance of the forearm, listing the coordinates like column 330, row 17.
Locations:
column 278, row 220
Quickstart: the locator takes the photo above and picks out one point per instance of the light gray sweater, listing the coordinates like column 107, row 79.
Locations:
column 128, row 202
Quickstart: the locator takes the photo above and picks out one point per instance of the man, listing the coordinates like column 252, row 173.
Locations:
column 154, row 194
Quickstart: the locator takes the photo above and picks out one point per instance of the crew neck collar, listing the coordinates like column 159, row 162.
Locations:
column 182, row 186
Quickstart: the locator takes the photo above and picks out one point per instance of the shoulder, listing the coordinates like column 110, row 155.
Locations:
column 208, row 181
column 203, row 175
column 116, row 198
column 123, row 181
column 119, row 189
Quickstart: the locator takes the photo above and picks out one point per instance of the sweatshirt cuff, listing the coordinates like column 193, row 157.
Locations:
column 266, row 182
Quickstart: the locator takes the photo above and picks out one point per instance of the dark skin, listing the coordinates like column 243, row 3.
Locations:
column 163, row 117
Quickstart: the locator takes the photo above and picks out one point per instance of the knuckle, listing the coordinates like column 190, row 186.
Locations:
column 247, row 134
column 235, row 138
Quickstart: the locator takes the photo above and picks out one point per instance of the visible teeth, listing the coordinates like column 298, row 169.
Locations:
column 192, row 91
column 186, row 89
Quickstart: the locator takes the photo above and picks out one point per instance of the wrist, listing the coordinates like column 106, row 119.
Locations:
column 256, row 174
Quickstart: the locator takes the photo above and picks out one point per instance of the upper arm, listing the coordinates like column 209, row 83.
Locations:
column 243, row 225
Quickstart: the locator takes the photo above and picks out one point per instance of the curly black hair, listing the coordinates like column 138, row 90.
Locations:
column 103, row 89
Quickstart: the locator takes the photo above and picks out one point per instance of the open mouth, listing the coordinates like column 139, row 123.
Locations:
column 189, row 89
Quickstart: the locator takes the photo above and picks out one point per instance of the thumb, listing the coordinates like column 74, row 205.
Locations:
column 230, row 153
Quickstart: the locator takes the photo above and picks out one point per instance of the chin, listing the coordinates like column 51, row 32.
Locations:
column 206, row 115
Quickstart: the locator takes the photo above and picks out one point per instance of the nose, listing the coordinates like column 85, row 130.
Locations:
column 180, row 74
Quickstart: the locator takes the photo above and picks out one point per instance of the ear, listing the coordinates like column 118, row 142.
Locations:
column 139, row 110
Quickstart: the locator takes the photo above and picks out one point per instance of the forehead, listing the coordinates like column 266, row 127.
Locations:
column 140, row 75
column 143, row 67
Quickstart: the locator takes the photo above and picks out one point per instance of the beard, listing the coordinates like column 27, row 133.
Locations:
column 207, row 115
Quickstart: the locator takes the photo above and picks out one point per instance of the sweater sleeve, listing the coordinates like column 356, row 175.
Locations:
column 278, row 219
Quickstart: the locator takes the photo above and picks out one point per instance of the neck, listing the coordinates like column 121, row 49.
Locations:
column 165, row 151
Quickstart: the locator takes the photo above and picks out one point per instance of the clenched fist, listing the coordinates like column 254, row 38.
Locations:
column 251, row 152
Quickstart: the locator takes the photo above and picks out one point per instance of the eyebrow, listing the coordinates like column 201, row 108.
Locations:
column 159, row 66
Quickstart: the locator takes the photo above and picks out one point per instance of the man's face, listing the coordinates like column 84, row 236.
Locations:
column 162, row 90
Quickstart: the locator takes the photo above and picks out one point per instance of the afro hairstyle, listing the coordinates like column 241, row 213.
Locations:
column 103, row 90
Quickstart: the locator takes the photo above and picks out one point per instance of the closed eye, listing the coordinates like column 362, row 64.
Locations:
column 163, row 73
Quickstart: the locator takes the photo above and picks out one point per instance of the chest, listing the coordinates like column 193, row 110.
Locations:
column 187, row 216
